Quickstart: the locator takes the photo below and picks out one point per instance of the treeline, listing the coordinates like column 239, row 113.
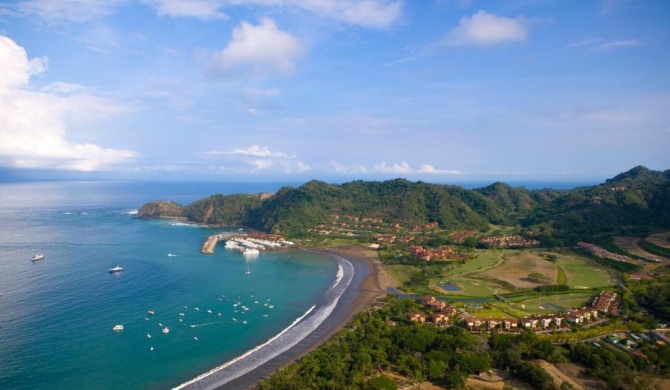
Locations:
column 382, row 343
column 634, row 202
column 653, row 295
column 373, row 345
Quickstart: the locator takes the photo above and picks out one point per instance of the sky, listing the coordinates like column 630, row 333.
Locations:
column 334, row 90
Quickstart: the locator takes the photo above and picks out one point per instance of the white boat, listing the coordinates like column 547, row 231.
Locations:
column 150, row 312
column 37, row 256
column 166, row 330
column 117, row 327
column 118, row 268
column 248, row 271
column 171, row 255
column 250, row 251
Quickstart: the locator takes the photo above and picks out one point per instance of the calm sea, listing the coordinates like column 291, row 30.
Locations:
column 57, row 314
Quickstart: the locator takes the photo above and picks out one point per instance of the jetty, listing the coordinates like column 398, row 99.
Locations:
column 209, row 244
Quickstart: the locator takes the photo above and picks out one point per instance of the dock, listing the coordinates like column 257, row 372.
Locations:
column 240, row 241
column 209, row 244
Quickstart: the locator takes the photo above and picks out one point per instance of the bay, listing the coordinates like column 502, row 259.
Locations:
column 57, row 314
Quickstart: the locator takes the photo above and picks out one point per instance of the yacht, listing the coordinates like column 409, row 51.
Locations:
column 250, row 251
column 118, row 268
column 37, row 256
column 117, row 327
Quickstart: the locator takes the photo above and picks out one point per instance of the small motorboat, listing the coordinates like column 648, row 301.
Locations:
column 166, row 330
column 117, row 328
column 37, row 256
column 116, row 269
column 150, row 312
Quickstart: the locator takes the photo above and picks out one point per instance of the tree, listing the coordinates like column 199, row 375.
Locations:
column 381, row 382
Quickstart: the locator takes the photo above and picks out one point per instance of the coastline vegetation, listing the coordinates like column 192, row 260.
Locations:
column 501, row 251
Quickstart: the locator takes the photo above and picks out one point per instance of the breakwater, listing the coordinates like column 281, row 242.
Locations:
column 209, row 244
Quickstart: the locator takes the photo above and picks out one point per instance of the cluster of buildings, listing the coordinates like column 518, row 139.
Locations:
column 442, row 315
column 428, row 254
column 391, row 238
column 426, row 226
column 509, row 241
column 606, row 302
column 600, row 252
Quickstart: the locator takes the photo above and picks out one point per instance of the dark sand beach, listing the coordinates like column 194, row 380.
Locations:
column 369, row 283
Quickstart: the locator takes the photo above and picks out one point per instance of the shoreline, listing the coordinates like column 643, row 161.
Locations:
column 369, row 283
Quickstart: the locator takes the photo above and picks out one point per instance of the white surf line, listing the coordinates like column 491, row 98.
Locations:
column 299, row 331
column 227, row 364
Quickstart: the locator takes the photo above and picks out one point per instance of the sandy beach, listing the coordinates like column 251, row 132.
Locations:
column 369, row 283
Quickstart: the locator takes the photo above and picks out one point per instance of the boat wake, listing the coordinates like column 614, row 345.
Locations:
column 283, row 341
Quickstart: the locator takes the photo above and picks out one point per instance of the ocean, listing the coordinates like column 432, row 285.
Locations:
column 57, row 314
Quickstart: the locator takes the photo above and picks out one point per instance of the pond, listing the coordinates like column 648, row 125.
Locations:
column 551, row 306
column 449, row 287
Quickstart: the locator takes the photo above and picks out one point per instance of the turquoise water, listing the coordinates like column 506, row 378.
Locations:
column 57, row 314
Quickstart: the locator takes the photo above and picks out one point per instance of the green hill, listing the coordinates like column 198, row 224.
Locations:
column 634, row 201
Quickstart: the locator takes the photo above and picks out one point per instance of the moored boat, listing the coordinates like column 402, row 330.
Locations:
column 118, row 268
column 37, row 256
column 117, row 327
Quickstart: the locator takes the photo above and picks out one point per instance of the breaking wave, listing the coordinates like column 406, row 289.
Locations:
column 283, row 341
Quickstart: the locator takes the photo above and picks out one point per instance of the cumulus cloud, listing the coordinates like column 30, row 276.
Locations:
column 259, row 158
column 346, row 169
column 257, row 50
column 484, row 29
column 33, row 125
column 202, row 9
column 405, row 168
column 68, row 10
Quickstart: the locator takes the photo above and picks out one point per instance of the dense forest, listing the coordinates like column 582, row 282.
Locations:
column 634, row 203
column 385, row 342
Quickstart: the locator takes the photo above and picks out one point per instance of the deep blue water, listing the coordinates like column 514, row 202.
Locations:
column 57, row 314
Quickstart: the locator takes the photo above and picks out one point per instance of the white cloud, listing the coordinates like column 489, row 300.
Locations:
column 406, row 169
column 202, row 9
column 609, row 45
column 600, row 44
column 484, row 29
column 33, row 125
column 64, row 88
column 259, row 158
column 261, row 92
column 346, row 169
column 260, row 151
column 403, row 167
column 257, row 50
column 365, row 13
column 68, row 10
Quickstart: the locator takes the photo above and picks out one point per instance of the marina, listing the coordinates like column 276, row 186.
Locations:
column 246, row 244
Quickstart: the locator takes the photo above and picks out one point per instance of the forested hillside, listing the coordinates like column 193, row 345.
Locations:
column 633, row 202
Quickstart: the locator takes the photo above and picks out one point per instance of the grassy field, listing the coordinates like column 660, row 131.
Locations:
column 516, row 267
column 582, row 273
column 536, row 305
column 660, row 239
column 482, row 261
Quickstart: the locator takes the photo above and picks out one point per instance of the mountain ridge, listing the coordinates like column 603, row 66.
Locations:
column 631, row 201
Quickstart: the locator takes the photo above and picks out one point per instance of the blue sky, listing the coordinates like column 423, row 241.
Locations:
column 434, row 90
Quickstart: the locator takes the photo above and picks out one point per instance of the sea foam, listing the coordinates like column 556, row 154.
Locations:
column 283, row 341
